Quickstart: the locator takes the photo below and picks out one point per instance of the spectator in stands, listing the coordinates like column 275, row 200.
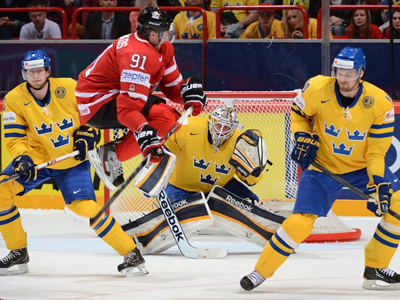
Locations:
column 172, row 14
column 40, row 28
column 340, row 19
column 133, row 16
column 361, row 27
column 310, row 6
column 88, row 3
column 294, row 25
column 189, row 24
column 4, row 33
column 107, row 24
column 266, row 27
column 238, row 20
column 396, row 26
column 12, row 22
column 376, row 15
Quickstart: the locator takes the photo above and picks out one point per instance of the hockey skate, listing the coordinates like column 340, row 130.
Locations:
column 112, row 166
column 251, row 281
column 18, row 258
column 133, row 264
column 381, row 279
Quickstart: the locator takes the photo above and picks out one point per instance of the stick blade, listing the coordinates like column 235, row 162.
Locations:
column 212, row 253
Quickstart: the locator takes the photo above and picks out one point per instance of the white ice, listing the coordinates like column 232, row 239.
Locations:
column 68, row 261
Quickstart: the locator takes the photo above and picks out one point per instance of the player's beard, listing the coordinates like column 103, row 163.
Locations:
column 347, row 90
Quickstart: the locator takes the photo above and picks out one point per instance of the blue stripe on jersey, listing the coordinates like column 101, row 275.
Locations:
column 108, row 228
column 277, row 249
column 102, row 221
column 297, row 111
column 387, row 125
column 8, row 211
column 387, row 233
column 386, row 243
column 9, row 220
column 381, row 135
column 8, row 135
column 15, row 126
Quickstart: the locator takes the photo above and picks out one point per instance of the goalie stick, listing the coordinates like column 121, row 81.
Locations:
column 181, row 240
column 43, row 165
column 350, row 186
column 90, row 221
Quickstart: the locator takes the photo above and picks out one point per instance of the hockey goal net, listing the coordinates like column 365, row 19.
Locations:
column 270, row 113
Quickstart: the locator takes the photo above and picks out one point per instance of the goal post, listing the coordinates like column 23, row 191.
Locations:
column 268, row 112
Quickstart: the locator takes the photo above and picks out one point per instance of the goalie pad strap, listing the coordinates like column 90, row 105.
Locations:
column 241, row 218
column 152, row 230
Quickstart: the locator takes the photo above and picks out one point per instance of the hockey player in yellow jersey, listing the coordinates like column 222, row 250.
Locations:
column 189, row 24
column 346, row 125
column 41, row 123
column 216, row 160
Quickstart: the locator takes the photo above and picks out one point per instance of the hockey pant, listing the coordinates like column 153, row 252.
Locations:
column 251, row 222
column 152, row 232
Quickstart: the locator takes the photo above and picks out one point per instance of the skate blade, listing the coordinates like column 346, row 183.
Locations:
column 135, row 271
column 22, row 269
column 380, row 285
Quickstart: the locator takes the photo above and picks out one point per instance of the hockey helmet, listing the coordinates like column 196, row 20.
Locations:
column 349, row 58
column 222, row 123
column 154, row 19
column 35, row 59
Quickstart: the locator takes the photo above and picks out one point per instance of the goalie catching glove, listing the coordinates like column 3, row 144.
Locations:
column 193, row 95
column 85, row 139
column 250, row 154
column 380, row 194
column 305, row 150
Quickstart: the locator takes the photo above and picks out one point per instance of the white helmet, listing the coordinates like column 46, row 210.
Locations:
column 222, row 123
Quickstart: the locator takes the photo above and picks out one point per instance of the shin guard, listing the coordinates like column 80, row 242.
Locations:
column 152, row 231
column 241, row 218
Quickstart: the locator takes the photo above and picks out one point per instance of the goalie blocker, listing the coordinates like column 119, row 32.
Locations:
column 241, row 218
column 151, row 232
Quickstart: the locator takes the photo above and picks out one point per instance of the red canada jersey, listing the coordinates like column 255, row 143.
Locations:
column 129, row 70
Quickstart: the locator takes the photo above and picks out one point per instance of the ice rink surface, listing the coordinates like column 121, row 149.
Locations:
column 68, row 261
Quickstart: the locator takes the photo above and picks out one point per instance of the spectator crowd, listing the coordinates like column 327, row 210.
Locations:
column 263, row 23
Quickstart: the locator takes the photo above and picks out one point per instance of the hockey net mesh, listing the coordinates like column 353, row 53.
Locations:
column 270, row 113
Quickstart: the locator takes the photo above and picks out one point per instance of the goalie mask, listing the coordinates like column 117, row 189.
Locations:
column 222, row 123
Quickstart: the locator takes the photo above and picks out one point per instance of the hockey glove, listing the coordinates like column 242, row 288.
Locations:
column 380, row 194
column 305, row 149
column 234, row 31
column 85, row 139
column 25, row 167
column 150, row 143
column 250, row 154
column 193, row 95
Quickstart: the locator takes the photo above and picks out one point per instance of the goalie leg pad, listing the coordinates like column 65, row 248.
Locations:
column 241, row 218
column 152, row 230
column 154, row 176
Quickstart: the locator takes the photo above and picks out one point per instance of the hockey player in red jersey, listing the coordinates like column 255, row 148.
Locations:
column 114, row 91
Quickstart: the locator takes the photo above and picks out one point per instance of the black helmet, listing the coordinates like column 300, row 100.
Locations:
column 153, row 18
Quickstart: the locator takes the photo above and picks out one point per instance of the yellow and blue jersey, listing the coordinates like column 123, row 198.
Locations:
column 253, row 31
column 351, row 138
column 188, row 27
column 43, row 131
column 239, row 14
column 198, row 167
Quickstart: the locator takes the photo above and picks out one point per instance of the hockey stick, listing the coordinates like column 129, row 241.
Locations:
column 350, row 186
column 43, row 165
column 90, row 221
column 179, row 235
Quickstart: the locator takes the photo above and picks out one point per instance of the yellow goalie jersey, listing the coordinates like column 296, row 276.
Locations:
column 351, row 138
column 42, row 131
column 198, row 168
